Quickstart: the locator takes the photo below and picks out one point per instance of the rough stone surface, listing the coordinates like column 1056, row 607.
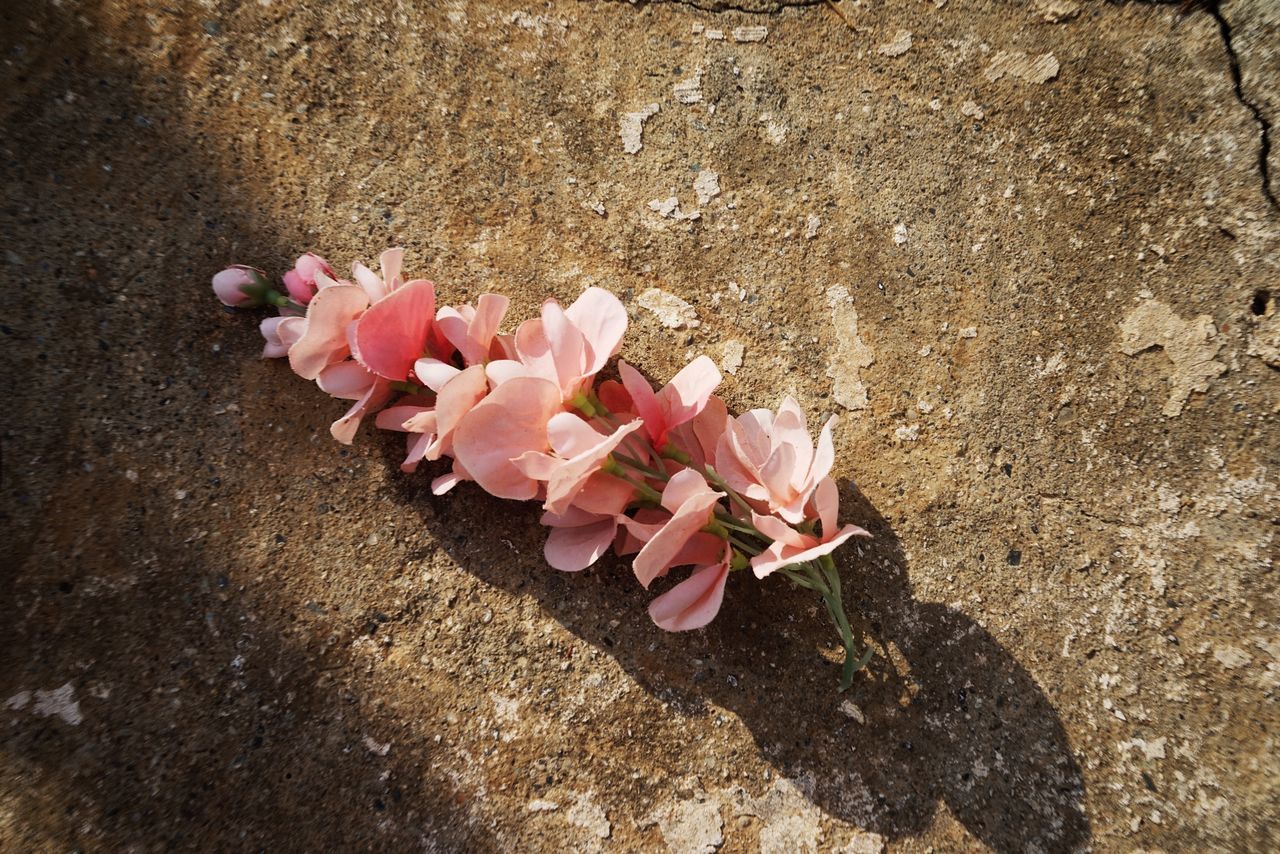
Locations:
column 217, row 619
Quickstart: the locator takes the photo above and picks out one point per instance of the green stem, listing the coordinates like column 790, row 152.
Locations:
column 646, row 491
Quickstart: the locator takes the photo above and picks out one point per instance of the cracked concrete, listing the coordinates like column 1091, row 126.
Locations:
column 225, row 632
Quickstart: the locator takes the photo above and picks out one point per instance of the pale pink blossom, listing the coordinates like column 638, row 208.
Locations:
column 678, row 402
column 577, row 538
column 473, row 330
column 791, row 546
column 239, row 286
column 567, row 347
column 771, row 459
column 691, row 504
column 510, row 421
column 281, row 333
column 301, row 282
column 580, row 452
column 350, row 381
column 431, row 429
column 694, row 602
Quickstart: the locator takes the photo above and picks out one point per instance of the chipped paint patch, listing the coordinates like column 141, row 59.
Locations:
column 60, row 702
column 1189, row 344
column 587, row 814
column 689, row 90
column 670, row 310
column 540, row 805
column 690, row 827
column 896, row 46
column 1039, row 68
column 18, row 701
column 706, row 186
column 852, row 354
column 812, row 223
column 972, row 110
column 669, row 208
column 750, row 34
column 631, row 127
column 731, row 356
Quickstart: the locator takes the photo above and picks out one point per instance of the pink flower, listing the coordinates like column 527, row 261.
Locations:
column 772, row 459
column 431, row 429
column 324, row 340
column 692, row 506
column 472, row 331
column 699, row 437
column 566, row 346
column 350, row 381
column 791, row 546
column 239, row 286
column 677, row 403
column 389, row 337
column 581, row 451
column 509, row 422
column 694, row 602
column 301, row 282
column 281, row 333
column 577, row 538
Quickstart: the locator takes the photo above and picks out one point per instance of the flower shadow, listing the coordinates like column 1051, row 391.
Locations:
column 942, row 714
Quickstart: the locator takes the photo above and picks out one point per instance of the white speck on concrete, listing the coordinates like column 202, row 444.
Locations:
column 852, row 353
column 1040, row 68
column 969, row 332
column 851, row 709
column 540, row 805
column 631, row 127
column 715, row 35
column 731, row 356
column 376, row 748
column 689, row 90
column 61, row 702
column 900, row 233
column 669, row 208
column 18, row 701
column 706, row 186
column 907, row 433
column 1232, row 657
column 750, row 34
column 1056, row 11
column 896, row 46
column 670, row 310
column 972, row 110
column 587, row 814
column 811, row 225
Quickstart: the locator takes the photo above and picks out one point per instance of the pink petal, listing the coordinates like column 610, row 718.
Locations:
column 502, row 370
column 688, row 392
column 534, row 350
column 369, row 280
column 571, row 476
column 458, row 397
column 325, row 339
column 657, row 555
column 826, row 501
column 347, row 380
column 771, row 559
column 604, row 494
column 644, row 400
column 568, row 348
column 447, row 481
column 685, row 486
column 416, row 449
column 825, row 456
column 397, row 418
column 779, row 531
column 490, row 309
column 571, row 549
column 281, row 333
column 510, row 421
column 570, row 434
column 393, row 333
column 344, row 429
column 692, row 603
column 434, row 373
column 392, row 262
column 602, row 320
column 790, row 429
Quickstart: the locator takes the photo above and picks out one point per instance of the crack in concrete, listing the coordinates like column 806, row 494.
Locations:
column 1264, row 126
column 1214, row 9
column 763, row 7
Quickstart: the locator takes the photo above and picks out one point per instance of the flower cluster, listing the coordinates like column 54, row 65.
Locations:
column 667, row 476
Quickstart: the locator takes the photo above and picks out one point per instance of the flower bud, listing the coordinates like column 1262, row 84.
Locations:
column 240, row 287
column 301, row 280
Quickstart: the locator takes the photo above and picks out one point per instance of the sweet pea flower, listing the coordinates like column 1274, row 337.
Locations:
column 691, row 503
column 771, row 459
column 384, row 324
column 567, row 347
column 677, row 403
column 581, row 451
column 694, row 602
column 301, row 282
column 471, row 331
column 280, row 333
column 577, row 538
column 351, row 381
column 239, row 286
column 431, row 429
column 509, row 422
column 791, row 546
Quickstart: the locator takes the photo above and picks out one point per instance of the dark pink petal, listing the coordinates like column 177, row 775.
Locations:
column 393, row 333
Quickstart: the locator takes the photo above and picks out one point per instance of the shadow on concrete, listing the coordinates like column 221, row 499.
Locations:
column 948, row 716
